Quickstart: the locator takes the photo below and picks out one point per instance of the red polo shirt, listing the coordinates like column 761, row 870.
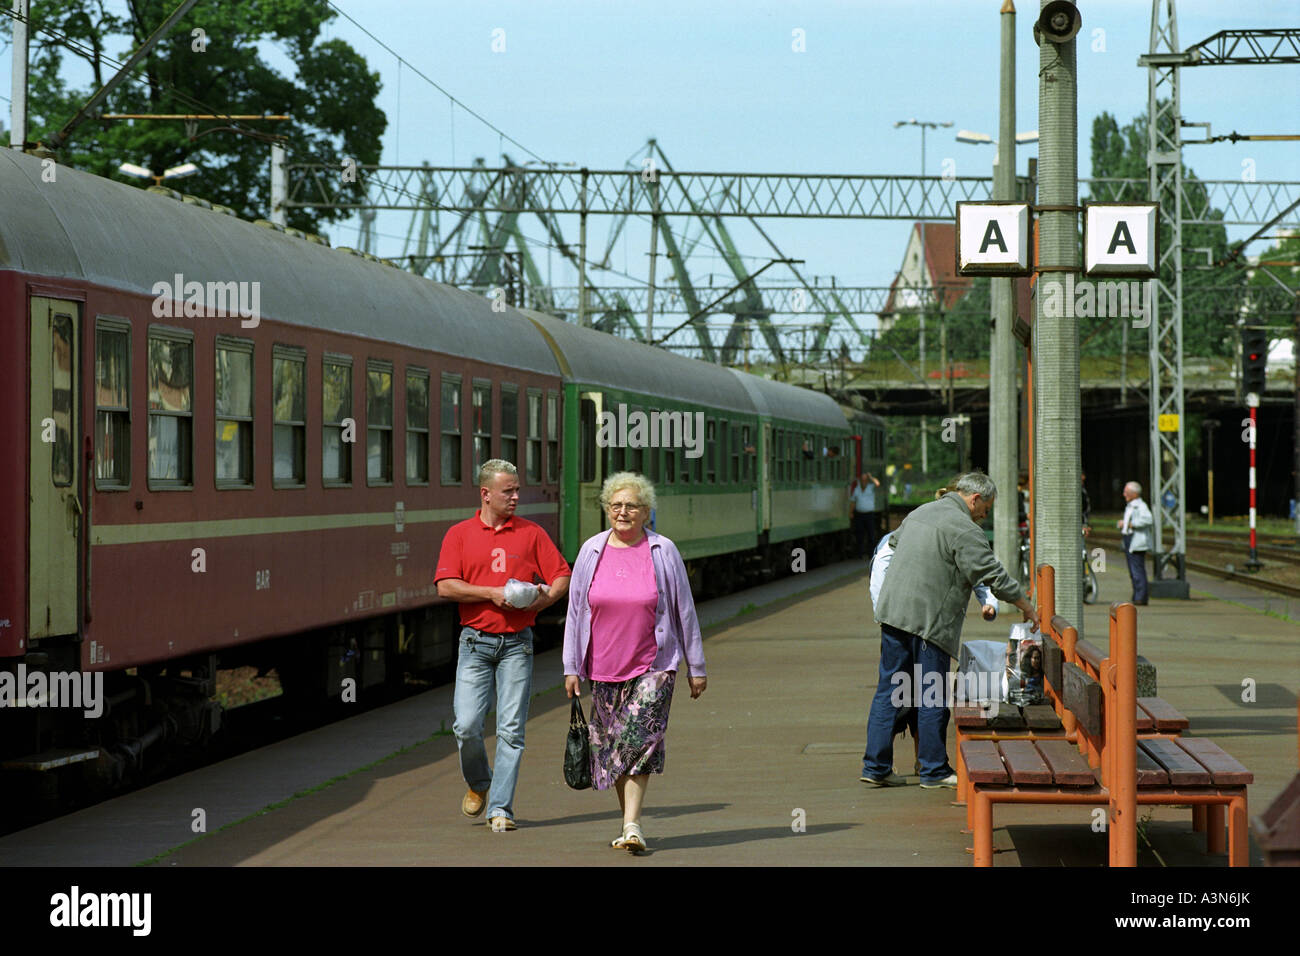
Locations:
column 488, row 557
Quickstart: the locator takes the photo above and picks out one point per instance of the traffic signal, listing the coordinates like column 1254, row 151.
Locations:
column 1254, row 359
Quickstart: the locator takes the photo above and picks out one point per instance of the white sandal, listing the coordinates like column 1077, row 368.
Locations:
column 633, row 840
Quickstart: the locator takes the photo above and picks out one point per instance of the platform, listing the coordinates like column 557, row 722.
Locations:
column 775, row 741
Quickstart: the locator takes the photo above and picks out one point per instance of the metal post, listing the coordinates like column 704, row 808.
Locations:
column 1058, row 507
column 18, row 112
column 654, row 255
column 583, row 319
column 279, row 186
column 1252, row 562
column 1003, row 407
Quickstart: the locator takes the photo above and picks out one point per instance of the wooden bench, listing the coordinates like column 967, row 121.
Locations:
column 1099, row 758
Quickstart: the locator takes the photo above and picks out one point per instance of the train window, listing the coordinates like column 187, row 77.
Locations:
column 670, row 465
column 112, row 404
column 234, row 412
column 749, row 452
column 417, row 426
column 552, row 437
column 63, row 360
column 451, row 437
column 533, row 451
column 510, row 423
column 289, row 407
column 171, row 407
column 379, row 422
column 480, row 416
column 633, row 457
column 711, row 451
column 587, row 440
column 651, row 461
column 336, row 408
column 733, row 447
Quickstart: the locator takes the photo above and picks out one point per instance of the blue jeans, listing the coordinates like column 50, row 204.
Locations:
column 508, row 660
column 903, row 653
column 1137, row 570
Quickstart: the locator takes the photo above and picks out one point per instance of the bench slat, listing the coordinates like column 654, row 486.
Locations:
column 1041, row 717
column 983, row 764
column 1164, row 714
column 1150, row 773
column 969, row 717
column 1145, row 722
column 1068, row 767
column 1183, row 770
column 1053, row 657
column 1091, row 653
column 1024, row 763
column 1223, row 767
column 1082, row 696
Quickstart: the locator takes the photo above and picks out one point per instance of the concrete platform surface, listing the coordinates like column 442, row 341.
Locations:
column 761, row 770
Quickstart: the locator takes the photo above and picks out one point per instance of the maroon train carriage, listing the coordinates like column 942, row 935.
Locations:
column 189, row 493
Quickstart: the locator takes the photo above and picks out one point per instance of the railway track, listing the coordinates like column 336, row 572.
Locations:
column 1254, row 580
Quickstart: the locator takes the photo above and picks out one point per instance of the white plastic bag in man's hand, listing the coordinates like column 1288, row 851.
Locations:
column 520, row 594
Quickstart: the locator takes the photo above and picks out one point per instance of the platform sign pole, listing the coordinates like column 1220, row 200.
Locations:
column 1252, row 563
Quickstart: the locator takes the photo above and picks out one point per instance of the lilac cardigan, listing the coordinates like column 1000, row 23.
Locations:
column 677, row 630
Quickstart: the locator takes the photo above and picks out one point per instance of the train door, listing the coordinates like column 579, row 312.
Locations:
column 591, row 518
column 55, row 477
column 765, row 480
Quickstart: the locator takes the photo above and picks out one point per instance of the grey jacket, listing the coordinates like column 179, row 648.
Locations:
column 939, row 555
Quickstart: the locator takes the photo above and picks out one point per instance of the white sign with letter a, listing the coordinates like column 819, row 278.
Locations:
column 993, row 238
column 1120, row 239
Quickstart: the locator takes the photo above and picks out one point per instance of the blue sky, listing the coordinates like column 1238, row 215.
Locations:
column 720, row 86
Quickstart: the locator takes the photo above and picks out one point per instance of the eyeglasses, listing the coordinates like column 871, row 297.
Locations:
column 624, row 507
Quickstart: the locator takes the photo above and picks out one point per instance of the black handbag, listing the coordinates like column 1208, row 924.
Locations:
column 577, row 750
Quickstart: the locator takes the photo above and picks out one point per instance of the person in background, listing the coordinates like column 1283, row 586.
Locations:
column 1135, row 529
column 478, row 558
column 862, row 501
column 1085, row 504
column 940, row 553
column 631, row 625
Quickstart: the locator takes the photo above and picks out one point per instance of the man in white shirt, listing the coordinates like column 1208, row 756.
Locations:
column 1135, row 528
column 862, row 499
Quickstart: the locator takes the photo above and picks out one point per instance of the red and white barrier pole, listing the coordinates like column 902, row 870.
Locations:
column 1252, row 563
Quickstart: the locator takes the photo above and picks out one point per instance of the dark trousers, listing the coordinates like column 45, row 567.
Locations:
column 913, row 658
column 866, row 532
column 1137, row 570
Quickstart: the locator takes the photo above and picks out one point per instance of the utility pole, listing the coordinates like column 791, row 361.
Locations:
column 18, row 113
column 279, row 186
column 1003, row 407
column 1057, row 503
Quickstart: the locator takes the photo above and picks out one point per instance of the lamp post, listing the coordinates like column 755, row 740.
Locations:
column 175, row 172
column 924, row 125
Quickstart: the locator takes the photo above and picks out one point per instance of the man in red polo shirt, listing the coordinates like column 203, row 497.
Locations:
column 479, row 555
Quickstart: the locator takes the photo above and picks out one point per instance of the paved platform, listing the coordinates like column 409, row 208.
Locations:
column 761, row 770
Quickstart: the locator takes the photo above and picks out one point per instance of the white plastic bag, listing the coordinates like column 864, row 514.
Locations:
column 520, row 594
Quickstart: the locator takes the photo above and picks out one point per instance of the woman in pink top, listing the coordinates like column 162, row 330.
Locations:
column 629, row 613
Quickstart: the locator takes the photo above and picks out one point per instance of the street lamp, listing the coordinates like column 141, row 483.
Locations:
column 924, row 124
column 175, row 172
column 979, row 139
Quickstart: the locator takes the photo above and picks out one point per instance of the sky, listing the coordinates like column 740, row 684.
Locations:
column 722, row 87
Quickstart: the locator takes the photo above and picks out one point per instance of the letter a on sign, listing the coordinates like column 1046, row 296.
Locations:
column 1120, row 240
column 992, row 238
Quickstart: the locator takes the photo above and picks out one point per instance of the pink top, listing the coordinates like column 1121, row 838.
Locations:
column 623, row 598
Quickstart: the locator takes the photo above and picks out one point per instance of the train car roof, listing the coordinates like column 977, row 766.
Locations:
column 791, row 401
column 87, row 228
column 598, row 358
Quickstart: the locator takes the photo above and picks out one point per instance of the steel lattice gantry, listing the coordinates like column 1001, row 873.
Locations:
column 1178, row 208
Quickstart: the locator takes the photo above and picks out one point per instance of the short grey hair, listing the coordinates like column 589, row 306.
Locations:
column 622, row 480
column 975, row 483
column 1137, row 489
column 490, row 469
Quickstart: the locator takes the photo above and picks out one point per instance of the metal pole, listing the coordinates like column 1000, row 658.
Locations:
column 18, row 112
column 1252, row 562
column 654, row 255
column 1003, row 407
column 583, row 320
column 279, row 186
column 1056, row 337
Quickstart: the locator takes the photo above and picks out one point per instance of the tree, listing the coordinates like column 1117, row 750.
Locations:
column 1208, row 319
column 213, row 61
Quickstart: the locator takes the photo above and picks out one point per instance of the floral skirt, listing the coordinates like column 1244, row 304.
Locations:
column 628, row 723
